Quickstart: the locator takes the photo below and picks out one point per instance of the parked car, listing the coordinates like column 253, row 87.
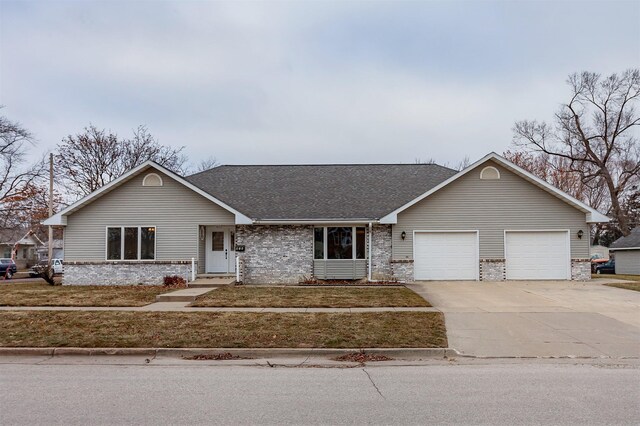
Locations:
column 58, row 267
column 7, row 267
column 596, row 260
column 607, row 268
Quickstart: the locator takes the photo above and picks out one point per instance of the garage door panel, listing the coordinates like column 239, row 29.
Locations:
column 537, row 255
column 446, row 256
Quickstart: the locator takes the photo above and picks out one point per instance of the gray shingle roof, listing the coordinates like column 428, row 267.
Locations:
column 631, row 240
column 362, row 191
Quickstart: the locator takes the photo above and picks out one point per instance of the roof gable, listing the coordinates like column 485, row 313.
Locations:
column 60, row 217
column 592, row 215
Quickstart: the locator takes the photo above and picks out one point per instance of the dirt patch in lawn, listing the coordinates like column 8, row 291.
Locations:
column 362, row 357
column 41, row 294
column 124, row 329
column 224, row 356
column 313, row 297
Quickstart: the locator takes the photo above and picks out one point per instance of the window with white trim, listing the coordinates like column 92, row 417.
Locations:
column 489, row 173
column 339, row 242
column 131, row 243
column 152, row 179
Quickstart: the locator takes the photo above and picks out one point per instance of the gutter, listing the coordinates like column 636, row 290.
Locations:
column 312, row 221
column 369, row 268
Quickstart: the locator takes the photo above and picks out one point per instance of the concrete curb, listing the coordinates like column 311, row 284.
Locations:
column 398, row 353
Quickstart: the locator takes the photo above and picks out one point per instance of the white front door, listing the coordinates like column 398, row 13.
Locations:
column 220, row 249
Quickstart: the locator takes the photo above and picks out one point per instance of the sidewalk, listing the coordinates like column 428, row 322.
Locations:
column 183, row 307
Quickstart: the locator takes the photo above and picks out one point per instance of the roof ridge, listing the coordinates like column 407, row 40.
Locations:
column 329, row 164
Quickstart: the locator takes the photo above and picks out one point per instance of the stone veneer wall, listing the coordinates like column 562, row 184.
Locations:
column 581, row 269
column 276, row 254
column 381, row 252
column 402, row 270
column 123, row 273
column 492, row 270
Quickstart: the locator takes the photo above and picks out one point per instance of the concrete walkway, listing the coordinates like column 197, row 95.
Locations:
column 538, row 318
column 182, row 307
column 184, row 295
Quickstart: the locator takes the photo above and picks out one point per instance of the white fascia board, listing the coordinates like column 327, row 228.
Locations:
column 313, row 221
column 592, row 215
column 59, row 219
column 597, row 217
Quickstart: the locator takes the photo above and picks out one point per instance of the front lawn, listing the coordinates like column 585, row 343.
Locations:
column 41, row 294
column 629, row 285
column 625, row 277
column 221, row 330
column 310, row 297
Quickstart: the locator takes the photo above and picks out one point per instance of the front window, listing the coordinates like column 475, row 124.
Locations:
column 147, row 243
column 340, row 243
column 131, row 243
column 318, row 243
column 343, row 242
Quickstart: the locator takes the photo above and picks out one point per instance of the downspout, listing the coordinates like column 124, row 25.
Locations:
column 369, row 268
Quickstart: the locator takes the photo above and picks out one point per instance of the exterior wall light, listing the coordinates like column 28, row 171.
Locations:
column 580, row 233
column 403, row 235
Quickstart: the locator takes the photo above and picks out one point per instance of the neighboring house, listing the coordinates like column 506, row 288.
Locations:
column 58, row 250
column 601, row 251
column 24, row 251
column 627, row 253
column 281, row 224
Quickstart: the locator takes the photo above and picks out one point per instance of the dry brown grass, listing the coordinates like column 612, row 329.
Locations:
column 626, row 277
column 310, row 297
column 221, row 330
column 628, row 286
column 40, row 294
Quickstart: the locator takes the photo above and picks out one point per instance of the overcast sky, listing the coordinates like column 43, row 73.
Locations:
column 305, row 82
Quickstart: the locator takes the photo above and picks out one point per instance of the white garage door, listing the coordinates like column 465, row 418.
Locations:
column 446, row 256
column 537, row 255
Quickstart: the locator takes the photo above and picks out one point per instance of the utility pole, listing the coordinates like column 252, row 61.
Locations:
column 50, row 207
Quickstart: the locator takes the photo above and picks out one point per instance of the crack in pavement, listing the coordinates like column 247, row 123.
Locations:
column 373, row 383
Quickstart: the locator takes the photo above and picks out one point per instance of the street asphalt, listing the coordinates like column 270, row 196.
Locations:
column 120, row 390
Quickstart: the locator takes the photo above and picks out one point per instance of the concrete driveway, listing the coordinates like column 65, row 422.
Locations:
column 537, row 318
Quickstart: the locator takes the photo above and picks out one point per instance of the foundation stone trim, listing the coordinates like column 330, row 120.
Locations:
column 580, row 269
column 403, row 270
column 123, row 273
column 492, row 270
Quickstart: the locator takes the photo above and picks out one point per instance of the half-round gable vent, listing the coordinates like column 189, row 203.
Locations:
column 490, row 173
column 152, row 179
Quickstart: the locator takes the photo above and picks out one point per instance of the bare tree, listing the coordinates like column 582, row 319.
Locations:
column 93, row 158
column 143, row 146
column 460, row 165
column 595, row 133
column 206, row 164
column 17, row 178
column 27, row 209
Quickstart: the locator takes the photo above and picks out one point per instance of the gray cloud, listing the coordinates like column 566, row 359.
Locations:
column 304, row 82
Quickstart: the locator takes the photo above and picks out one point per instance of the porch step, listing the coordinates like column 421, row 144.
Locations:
column 186, row 295
column 212, row 282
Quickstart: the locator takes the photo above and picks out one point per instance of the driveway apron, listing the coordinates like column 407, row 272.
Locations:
column 537, row 318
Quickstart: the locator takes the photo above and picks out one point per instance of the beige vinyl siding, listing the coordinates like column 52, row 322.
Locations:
column 491, row 207
column 627, row 262
column 175, row 211
column 340, row 269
